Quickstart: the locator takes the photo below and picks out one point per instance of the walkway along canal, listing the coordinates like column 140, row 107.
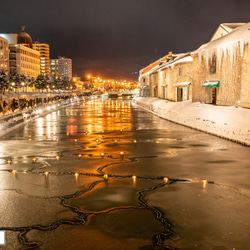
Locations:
column 105, row 174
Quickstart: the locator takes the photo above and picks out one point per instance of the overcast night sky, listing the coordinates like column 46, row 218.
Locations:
column 115, row 39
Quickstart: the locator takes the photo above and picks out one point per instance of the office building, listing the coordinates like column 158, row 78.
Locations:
column 44, row 50
column 4, row 55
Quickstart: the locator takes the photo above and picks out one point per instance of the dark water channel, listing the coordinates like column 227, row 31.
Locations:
column 105, row 174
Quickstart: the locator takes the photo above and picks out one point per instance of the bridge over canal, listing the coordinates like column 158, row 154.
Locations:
column 122, row 93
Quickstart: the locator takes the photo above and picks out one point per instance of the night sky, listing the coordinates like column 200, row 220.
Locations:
column 114, row 38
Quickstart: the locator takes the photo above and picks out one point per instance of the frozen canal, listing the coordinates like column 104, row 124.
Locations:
column 107, row 175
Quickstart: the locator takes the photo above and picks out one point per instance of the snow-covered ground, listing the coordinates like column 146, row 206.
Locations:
column 227, row 122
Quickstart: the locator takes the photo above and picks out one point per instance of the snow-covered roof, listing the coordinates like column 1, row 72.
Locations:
column 224, row 29
column 229, row 27
column 227, row 45
column 238, row 36
column 175, row 59
column 181, row 58
column 152, row 65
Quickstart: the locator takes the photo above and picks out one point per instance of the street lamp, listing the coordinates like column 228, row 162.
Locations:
column 23, row 85
column 13, row 84
column 90, row 78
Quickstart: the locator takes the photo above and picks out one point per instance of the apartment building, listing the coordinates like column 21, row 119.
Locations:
column 61, row 68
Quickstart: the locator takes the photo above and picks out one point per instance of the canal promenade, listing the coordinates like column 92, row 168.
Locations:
column 13, row 119
column 228, row 122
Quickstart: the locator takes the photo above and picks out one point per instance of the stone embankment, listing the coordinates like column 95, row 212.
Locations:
column 228, row 122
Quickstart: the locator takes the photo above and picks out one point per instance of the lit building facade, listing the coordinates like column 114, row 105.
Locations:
column 4, row 55
column 44, row 50
column 61, row 68
column 23, row 59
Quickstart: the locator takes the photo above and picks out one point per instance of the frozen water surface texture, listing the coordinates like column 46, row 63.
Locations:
column 105, row 174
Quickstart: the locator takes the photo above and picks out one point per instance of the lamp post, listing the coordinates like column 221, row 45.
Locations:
column 23, row 84
column 91, row 81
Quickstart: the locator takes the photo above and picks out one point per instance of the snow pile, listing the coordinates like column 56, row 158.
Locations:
column 224, row 121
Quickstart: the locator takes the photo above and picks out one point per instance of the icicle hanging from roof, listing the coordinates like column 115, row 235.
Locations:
column 228, row 45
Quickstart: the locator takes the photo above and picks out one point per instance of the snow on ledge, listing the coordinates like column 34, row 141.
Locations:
column 227, row 122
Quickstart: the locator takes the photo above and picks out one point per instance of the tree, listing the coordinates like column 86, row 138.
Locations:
column 41, row 82
column 30, row 81
column 64, row 84
column 55, row 83
column 4, row 82
column 23, row 81
column 15, row 80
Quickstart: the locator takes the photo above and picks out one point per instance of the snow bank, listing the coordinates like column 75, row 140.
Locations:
column 224, row 121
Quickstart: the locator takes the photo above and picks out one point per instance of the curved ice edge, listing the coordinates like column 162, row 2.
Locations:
column 242, row 191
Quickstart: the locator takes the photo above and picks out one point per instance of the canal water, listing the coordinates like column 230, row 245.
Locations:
column 105, row 174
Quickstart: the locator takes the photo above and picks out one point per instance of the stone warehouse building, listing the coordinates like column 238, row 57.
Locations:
column 168, row 78
column 218, row 72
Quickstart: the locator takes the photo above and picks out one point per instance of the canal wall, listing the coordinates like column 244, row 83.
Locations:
column 228, row 122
